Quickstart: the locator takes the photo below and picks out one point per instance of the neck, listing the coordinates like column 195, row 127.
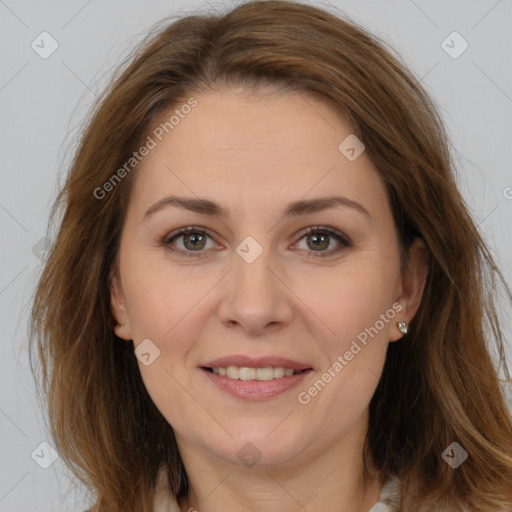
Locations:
column 331, row 480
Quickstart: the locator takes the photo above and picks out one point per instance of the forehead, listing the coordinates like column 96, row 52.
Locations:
column 237, row 119
column 254, row 148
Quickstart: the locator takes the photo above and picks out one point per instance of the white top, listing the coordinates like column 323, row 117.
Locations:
column 388, row 499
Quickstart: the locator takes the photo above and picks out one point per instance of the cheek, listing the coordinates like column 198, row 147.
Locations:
column 360, row 314
column 352, row 300
column 356, row 306
column 159, row 299
column 165, row 315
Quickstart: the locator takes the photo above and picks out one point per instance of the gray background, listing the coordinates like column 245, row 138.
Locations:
column 43, row 102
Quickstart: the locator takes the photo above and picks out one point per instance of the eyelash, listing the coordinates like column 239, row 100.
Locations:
column 342, row 239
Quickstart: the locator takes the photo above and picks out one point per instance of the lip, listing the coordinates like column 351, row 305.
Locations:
column 256, row 389
column 259, row 362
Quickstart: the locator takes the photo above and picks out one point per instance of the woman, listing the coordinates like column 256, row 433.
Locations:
column 265, row 283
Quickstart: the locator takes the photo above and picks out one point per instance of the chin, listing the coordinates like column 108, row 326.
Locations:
column 260, row 448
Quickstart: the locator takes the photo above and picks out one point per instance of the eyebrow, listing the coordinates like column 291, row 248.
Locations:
column 296, row 208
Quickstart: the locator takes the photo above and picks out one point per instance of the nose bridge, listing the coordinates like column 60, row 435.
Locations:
column 256, row 296
column 252, row 276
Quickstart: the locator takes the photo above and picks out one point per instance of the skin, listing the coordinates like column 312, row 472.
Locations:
column 254, row 155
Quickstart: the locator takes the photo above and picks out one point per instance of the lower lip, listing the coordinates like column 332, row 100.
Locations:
column 256, row 389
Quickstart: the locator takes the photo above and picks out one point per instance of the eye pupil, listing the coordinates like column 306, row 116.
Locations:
column 194, row 238
column 317, row 238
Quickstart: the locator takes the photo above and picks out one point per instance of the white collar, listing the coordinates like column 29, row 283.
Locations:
column 388, row 500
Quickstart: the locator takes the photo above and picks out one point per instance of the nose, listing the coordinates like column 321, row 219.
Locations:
column 256, row 296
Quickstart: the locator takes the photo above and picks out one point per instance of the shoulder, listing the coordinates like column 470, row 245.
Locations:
column 389, row 499
column 389, row 496
column 164, row 501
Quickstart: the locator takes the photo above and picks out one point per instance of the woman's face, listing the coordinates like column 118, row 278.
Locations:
column 252, row 290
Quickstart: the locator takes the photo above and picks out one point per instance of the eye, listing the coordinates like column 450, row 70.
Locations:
column 319, row 238
column 193, row 241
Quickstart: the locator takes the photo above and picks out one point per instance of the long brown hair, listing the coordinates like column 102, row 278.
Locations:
column 439, row 385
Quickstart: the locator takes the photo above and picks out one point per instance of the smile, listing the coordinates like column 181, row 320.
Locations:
column 252, row 378
column 262, row 374
column 246, row 383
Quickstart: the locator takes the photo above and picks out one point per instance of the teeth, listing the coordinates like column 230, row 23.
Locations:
column 264, row 373
column 278, row 372
column 233, row 372
column 245, row 373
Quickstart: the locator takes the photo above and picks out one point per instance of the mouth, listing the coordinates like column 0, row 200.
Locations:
column 255, row 379
column 246, row 373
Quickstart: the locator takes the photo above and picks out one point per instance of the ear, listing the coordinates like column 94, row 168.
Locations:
column 412, row 285
column 118, row 308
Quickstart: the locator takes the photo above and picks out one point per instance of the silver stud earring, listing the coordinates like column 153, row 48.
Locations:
column 402, row 326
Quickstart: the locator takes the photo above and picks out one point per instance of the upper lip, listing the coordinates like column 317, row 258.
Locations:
column 258, row 362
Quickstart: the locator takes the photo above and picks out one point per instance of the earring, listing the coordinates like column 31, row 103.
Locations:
column 402, row 326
